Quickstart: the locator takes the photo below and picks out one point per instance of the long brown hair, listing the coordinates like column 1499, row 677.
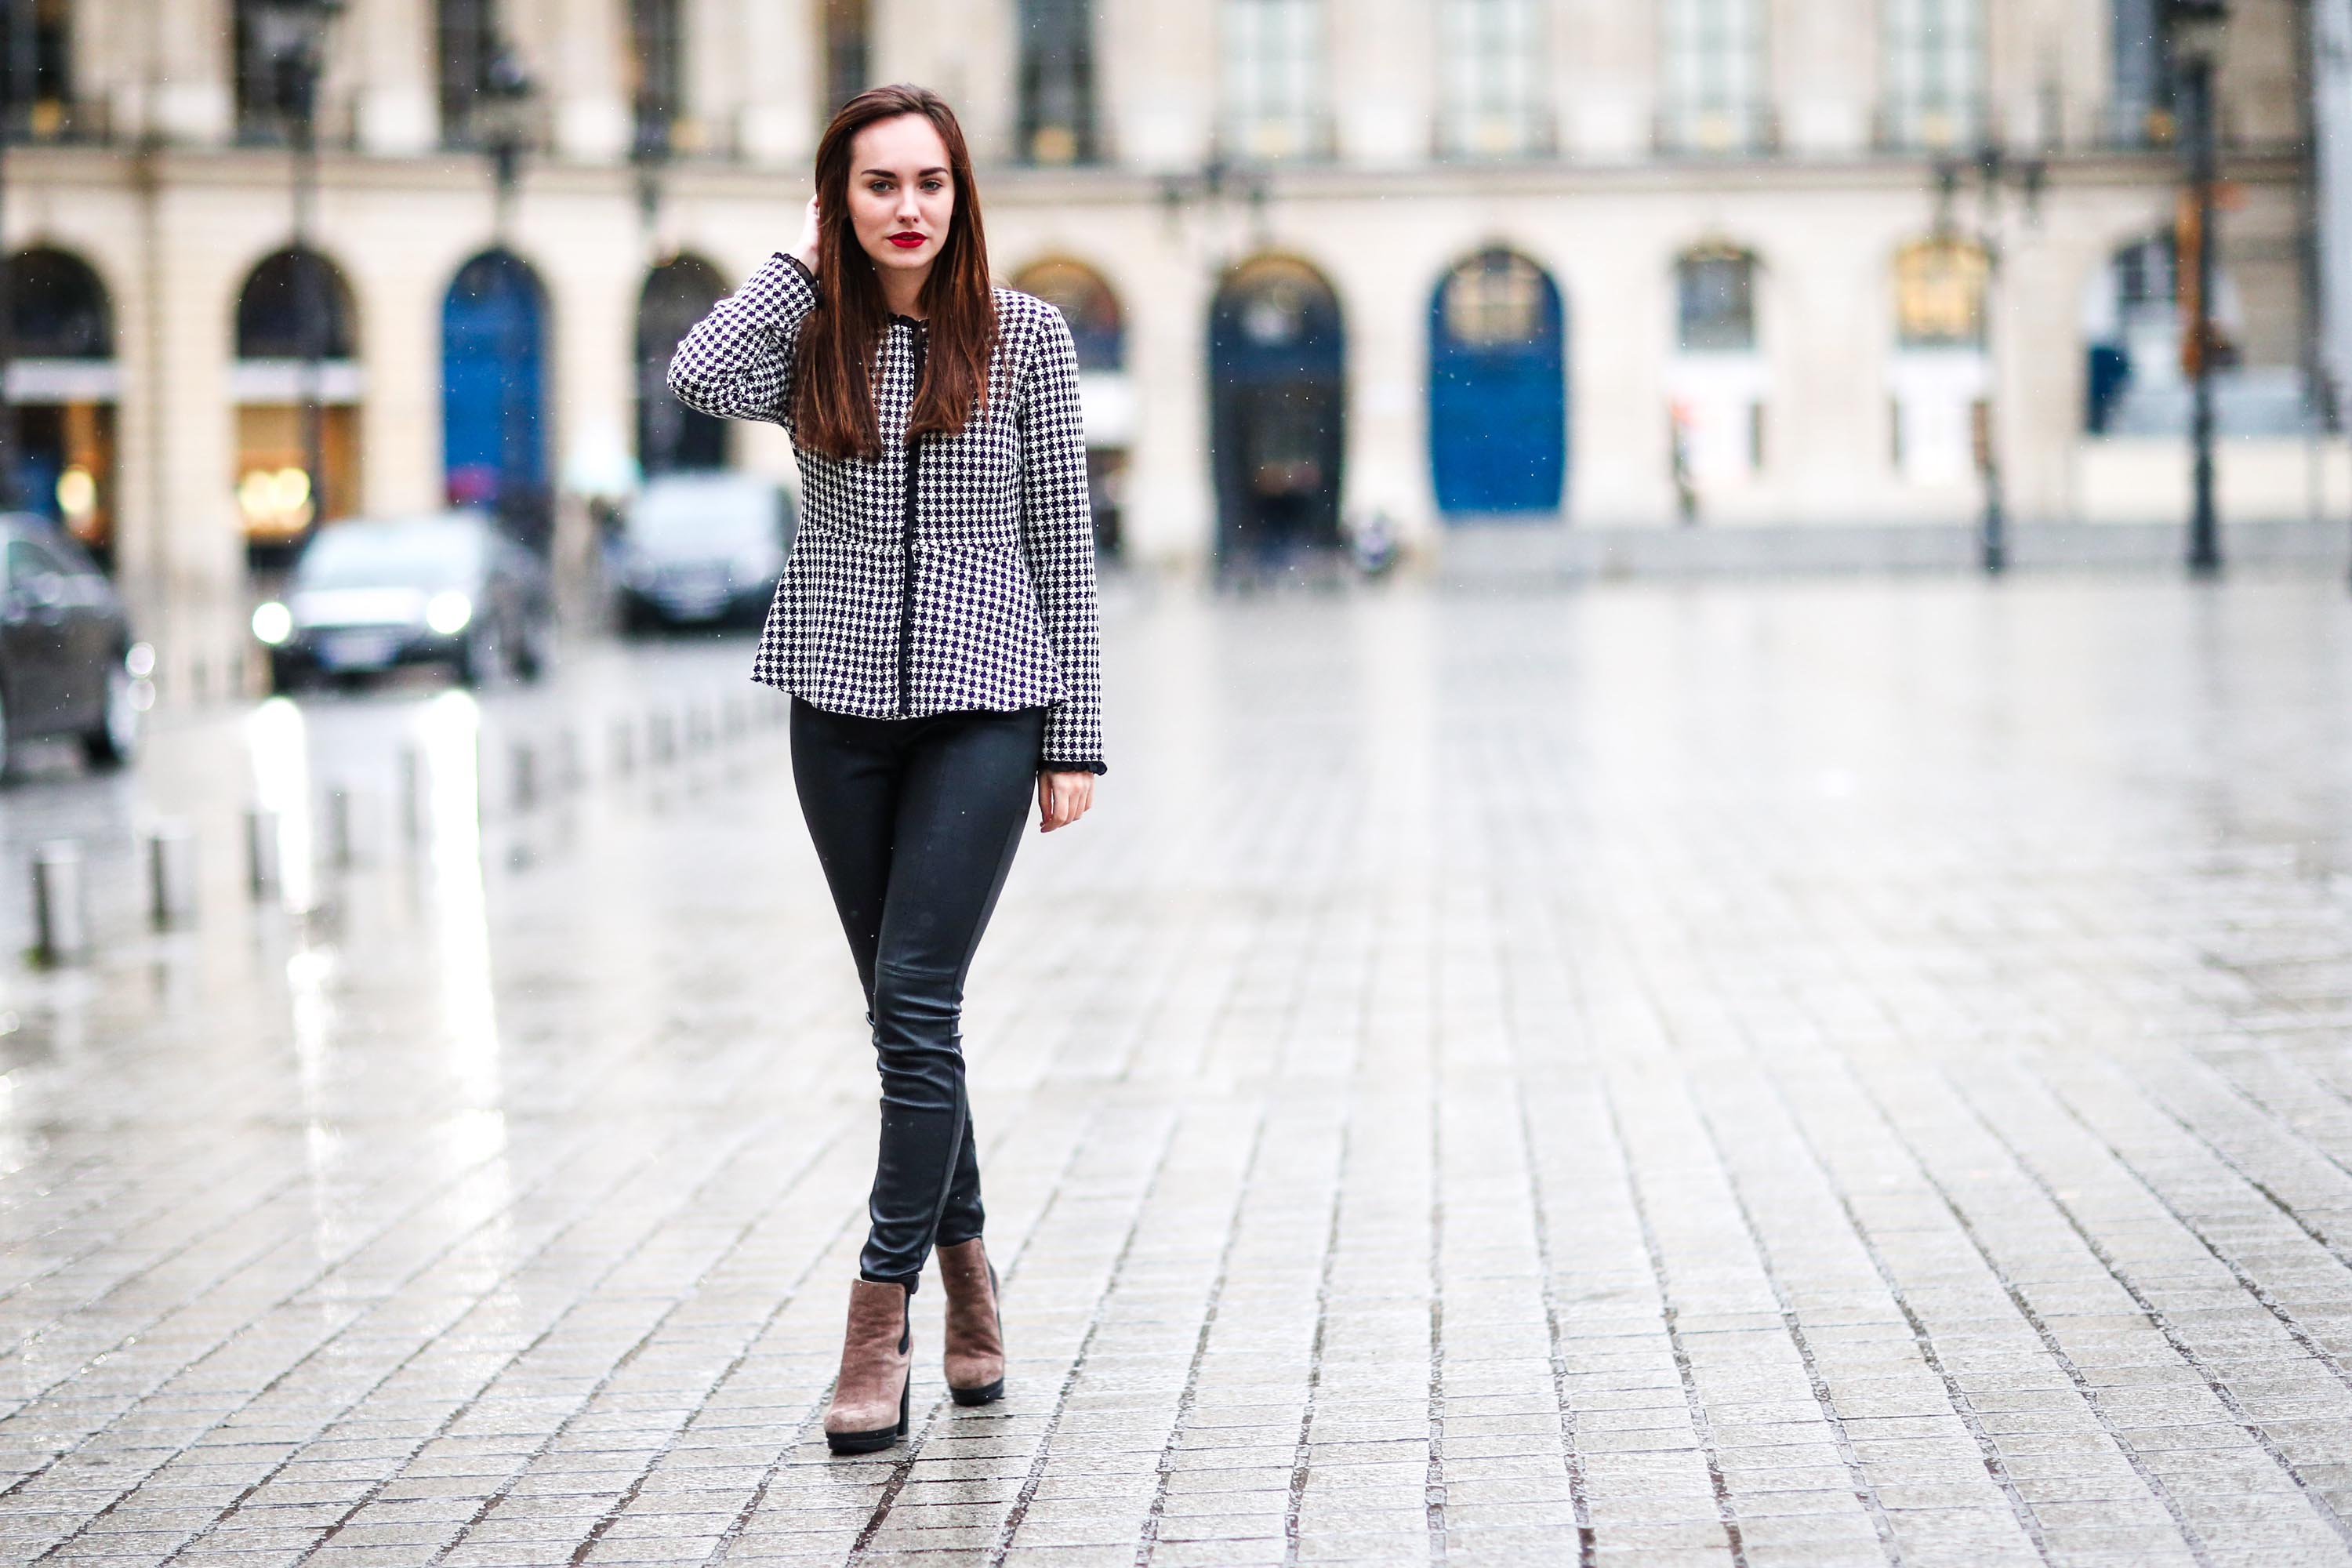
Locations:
column 840, row 342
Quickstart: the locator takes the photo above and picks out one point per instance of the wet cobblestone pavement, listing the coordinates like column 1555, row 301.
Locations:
column 1805, row 1074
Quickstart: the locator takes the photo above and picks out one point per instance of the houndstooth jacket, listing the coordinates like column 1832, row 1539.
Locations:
column 980, row 594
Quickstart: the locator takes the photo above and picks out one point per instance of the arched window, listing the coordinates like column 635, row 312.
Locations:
column 287, row 299
column 1277, row 392
column 1715, row 301
column 1491, row 56
column 1057, row 81
column 1086, row 303
column 1939, row 294
column 670, row 435
column 1939, row 380
column 1272, row 73
column 295, row 312
column 1932, row 55
column 1715, row 77
column 56, row 307
column 63, row 386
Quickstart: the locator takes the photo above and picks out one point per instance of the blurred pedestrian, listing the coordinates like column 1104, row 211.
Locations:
column 937, row 630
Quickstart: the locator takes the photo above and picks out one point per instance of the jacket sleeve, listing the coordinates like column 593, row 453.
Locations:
column 1057, row 535
column 736, row 362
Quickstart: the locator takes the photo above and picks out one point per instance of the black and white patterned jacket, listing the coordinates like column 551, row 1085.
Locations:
column 982, row 593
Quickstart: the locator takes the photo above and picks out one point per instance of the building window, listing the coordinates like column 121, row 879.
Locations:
column 1715, row 296
column 2141, row 115
column 1274, row 78
column 1940, row 295
column 1491, row 53
column 657, row 61
column 1057, row 81
column 36, row 56
column 465, row 38
column 847, row 58
column 1715, row 76
column 1934, row 71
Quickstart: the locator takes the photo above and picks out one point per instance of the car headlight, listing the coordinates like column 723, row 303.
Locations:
column 448, row 613
column 273, row 622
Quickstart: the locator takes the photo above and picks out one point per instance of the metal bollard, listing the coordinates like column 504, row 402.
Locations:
column 171, row 874
column 661, row 732
column 339, row 829
column 522, row 776
column 624, row 748
column 261, row 852
column 61, row 921
column 411, row 793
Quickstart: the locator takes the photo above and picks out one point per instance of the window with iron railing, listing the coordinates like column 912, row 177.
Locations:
column 36, row 70
column 1933, row 61
column 848, row 52
column 1272, row 71
column 464, row 37
column 1491, row 101
column 657, row 75
column 2140, row 114
column 1057, row 82
column 1715, row 76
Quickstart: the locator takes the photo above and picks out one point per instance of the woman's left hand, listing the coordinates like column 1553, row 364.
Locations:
column 1063, row 798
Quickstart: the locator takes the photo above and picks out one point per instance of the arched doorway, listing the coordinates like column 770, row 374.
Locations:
column 1099, row 333
column 670, row 435
column 295, row 312
column 493, row 394
column 1941, row 376
column 63, row 386
column 1497, row 387
column 1277, row 367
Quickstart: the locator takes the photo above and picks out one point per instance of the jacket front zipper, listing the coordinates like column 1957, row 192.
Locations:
column 906, row 573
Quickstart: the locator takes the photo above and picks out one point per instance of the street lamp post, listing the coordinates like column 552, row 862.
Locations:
column 1997, row 171
column 1209, row 186
column 502, row 121
column 291, row 36
column 2194, row 28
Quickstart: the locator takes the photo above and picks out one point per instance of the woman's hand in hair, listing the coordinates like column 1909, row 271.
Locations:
column 1063, row 798
column 806, row 247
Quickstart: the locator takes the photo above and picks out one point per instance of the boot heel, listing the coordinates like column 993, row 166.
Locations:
column 906, row 1397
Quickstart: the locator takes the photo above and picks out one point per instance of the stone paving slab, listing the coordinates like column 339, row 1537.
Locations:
column 1794, row 1074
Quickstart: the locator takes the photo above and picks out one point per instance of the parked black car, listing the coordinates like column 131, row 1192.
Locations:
column 371, row 594
column 66, row 650
column 699, row 548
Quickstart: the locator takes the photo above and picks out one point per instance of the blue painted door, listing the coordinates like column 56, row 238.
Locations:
column 1497, row 388
column 493, row 388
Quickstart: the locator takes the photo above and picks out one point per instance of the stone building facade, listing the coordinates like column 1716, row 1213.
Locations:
column 1473, row 264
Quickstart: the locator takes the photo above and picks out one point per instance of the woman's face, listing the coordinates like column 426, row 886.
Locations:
column 901, row 194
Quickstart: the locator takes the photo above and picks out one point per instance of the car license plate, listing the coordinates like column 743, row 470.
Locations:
column 357, row 651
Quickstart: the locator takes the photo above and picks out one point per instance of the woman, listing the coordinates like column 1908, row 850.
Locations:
column 937, row 628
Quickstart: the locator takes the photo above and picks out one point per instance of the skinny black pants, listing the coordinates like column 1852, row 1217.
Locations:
column 915, row 822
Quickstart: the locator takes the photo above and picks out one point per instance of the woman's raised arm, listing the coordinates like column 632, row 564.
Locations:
column 736, row 362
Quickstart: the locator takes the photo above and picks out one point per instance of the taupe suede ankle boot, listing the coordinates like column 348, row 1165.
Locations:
column 975, row 1331
column 877, row 1366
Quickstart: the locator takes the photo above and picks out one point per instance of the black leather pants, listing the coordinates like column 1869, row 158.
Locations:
column 915, row 822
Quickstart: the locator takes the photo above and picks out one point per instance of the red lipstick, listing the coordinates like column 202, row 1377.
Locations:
column 907, row 241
